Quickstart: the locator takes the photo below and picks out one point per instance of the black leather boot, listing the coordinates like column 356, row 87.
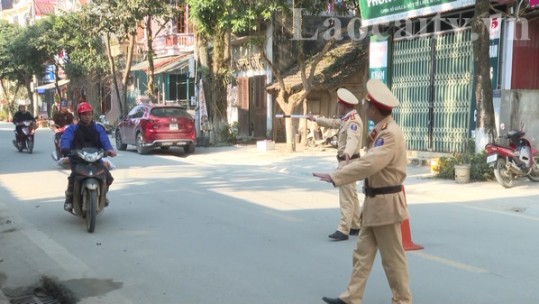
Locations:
column 68, row 204
column 333, row 301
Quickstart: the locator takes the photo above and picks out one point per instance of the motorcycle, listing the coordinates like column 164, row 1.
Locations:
column 519, row 159
column 105, row 123
column 25, row 140
column 89, row 194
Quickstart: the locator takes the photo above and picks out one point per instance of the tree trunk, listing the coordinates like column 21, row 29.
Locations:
column 218, row 83
column 112, row 67
column 149, row 42
column 485, row 122
column 127, row 70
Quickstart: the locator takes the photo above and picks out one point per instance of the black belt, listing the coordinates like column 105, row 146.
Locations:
column 340, row 158
column 372, row 192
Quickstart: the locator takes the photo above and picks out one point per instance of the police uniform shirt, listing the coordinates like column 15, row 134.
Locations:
column 384, row 165
column 350, row 131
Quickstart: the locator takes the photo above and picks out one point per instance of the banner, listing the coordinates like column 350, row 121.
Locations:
column 495, row 29
column 385, row 11
column 378, row 63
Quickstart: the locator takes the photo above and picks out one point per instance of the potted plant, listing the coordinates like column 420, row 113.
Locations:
column 465, row 166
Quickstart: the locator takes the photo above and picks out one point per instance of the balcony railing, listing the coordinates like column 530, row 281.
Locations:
column 173, row 44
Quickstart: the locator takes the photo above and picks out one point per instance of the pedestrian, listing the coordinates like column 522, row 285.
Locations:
column 56, row 105
column 349, row 140
column 384, row 169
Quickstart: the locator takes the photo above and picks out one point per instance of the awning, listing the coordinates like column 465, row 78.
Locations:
column 52, row 85
column 157, row 63
column 178, row 65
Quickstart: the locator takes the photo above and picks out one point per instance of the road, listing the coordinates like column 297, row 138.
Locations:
column 234, row 225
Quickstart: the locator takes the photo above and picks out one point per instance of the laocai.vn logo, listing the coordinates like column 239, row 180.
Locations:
column 332, row 27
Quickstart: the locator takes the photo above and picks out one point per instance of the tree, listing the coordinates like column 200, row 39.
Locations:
column 155, row 13
column 115, row 18
column 8, row 33
column 485, row 128
column 287, row 100
column 21, row 57
column 215, row 21
column 120, row 19
column 85, row 51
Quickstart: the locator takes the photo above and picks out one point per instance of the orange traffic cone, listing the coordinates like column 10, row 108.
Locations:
column 407, row 242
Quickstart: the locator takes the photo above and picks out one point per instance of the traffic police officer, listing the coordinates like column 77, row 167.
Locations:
column 384, row 169
column 349, row 143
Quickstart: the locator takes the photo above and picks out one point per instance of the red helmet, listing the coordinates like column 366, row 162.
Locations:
column 84, row 107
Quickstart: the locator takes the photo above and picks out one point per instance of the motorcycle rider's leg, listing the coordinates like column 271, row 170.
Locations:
column 68, row 204
column 18, row 135
column 109, row 181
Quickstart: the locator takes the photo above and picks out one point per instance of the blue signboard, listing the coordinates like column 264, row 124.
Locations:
column 48, row 75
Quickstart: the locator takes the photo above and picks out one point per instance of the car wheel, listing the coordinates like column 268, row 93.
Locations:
column 140, row 145
column 119, row 145
column 189, row 149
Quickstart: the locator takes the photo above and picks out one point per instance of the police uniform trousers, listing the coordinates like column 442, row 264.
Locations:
column 388, row 240
column 349, row 206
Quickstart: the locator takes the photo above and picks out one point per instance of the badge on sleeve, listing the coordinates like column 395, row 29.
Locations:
column 353, row 127
column 373, row 134
column 379, row 142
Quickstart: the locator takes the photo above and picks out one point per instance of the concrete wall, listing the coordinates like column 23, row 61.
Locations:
column 520, row 106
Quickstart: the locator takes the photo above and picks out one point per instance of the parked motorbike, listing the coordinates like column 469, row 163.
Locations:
column 105, row 123
column 318, row 136
column 519, row 159
column 89, row 194
column 25, row 140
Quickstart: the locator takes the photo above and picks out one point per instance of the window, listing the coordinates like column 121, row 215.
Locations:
column 170, row 112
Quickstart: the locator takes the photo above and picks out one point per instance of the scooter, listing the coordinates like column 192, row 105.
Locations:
column 519, row 159
column 89, row 188
column 25, row 140
column 105, row 123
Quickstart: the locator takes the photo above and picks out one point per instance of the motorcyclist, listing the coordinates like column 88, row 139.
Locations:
column 85, row 134
column 21, row 115
column 63, row 117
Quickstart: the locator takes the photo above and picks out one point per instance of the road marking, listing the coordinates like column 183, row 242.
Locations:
column 448, row 262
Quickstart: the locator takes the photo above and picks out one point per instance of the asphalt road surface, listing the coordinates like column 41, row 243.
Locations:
column 235, row 225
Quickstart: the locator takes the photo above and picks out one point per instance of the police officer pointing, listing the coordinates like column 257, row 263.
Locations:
column 384, row 169
column 349, row 143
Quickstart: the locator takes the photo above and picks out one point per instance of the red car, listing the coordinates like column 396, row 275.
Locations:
column 149, row 126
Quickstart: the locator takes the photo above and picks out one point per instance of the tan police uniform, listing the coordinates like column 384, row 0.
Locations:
column 384, row 168
column 349, row 142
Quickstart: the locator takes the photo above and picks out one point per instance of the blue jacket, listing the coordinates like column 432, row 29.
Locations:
column 66, row 141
